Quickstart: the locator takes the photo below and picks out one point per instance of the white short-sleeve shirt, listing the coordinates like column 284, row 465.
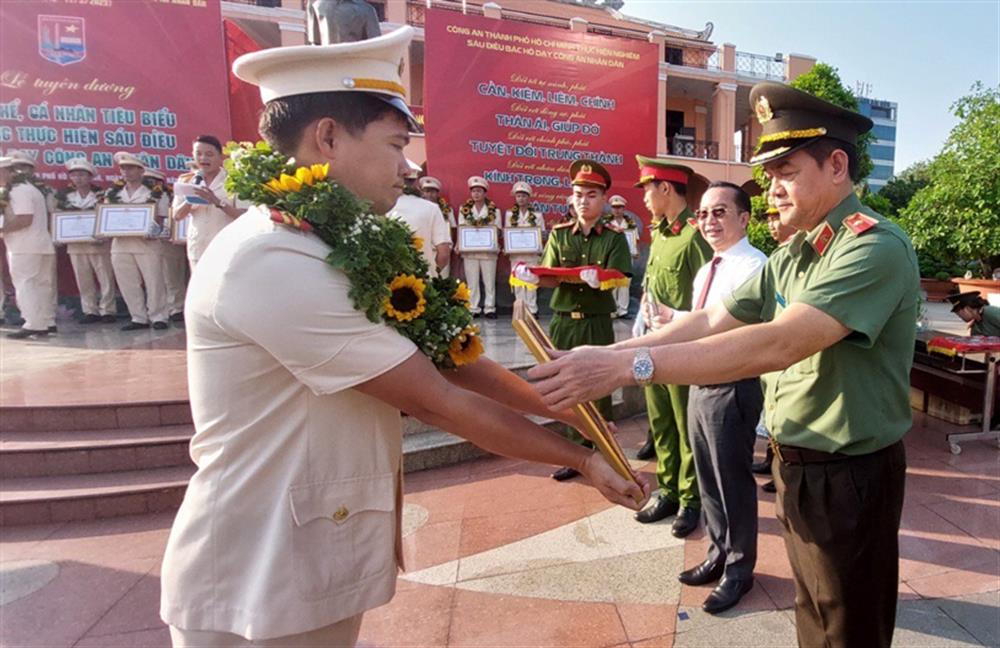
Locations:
column 25, row 198
column 291, row 521
column 424, row 218
column 136, row 244
column 206, row 220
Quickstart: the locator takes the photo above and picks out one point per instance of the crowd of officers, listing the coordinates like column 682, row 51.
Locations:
column 150, row 272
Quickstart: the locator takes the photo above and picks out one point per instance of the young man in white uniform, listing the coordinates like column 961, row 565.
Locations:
column 424, row 218
column 90, row 260
column 290, row 528
column 138, row 261
column 31, row 256
column 480, row 265
column 218, row 210
column 522, row 215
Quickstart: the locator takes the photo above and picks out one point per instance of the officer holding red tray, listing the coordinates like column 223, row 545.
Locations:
column 582, row 303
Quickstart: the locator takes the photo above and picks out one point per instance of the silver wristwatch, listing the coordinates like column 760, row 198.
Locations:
column 642, row 367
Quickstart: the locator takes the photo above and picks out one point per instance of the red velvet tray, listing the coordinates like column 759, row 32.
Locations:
column 950, row 345
column 572, row 275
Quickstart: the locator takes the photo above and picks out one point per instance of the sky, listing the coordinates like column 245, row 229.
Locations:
column 922, row 55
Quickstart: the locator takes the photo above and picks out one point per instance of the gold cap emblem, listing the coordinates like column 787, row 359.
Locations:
column 763, row 110
column 586, row 168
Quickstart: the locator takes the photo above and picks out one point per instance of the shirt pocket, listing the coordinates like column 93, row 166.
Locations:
column 343, row 533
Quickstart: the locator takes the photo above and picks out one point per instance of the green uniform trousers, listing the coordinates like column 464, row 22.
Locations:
column 568, row 333
column 675, row 471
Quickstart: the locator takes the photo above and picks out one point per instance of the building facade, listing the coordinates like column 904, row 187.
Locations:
column 882, row 148
column 704, row 115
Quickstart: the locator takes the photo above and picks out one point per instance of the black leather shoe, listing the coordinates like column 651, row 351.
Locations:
column 648, row 450
column 109, row 319
column 565, row 473
column 491, row 315
column 160, row 326
column 685, row 522
column 627, row 316
column 177, row 317
column 769, row 487
column 760, row 467
column 661, row 509
column 24, row 334
column 705, row 573
column 90, row 318
column 53, row 329
column 727, row 594
column 134, row 326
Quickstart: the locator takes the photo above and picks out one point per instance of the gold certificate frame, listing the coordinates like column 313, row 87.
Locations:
column 595, row 427
column 522, row 240
column 73, row 227
column 179, row 230
column 123, row 220
column 477, row 239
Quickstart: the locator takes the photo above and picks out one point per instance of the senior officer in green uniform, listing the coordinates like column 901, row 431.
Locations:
column 829, row 326
column 582, row 311
column 676, row 253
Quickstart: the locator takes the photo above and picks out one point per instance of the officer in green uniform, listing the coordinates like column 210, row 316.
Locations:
column 829, row 327
column 676, row 252
column 982, row 318
column 581, row 312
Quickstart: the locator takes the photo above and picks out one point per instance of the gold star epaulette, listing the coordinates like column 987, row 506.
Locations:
column 859, row 223
column 676, row 227
column 693, row 223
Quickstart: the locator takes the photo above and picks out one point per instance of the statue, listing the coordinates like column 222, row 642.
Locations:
column 340, row 21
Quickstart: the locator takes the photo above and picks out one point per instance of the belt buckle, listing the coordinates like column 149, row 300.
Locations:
column 576, row 315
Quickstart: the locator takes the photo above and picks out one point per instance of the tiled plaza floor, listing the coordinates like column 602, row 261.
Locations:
column 498, row 554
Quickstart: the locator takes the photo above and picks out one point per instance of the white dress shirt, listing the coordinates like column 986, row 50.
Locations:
column 739, row 263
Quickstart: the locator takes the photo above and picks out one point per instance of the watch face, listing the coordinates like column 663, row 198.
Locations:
column 643, row 369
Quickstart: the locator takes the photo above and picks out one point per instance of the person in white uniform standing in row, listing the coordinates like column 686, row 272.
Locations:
column 424, row 218
column 480, row 211
column 95, row 278
column 218, row 209
column 137, row 261
column 522, row 215
column 31, row 256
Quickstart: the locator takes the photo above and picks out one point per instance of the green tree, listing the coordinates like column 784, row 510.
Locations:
column 957, row 215
column 757, row 230
column 901, row 188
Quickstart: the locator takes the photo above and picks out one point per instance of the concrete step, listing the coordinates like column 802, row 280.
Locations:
column 40, row 500
column 78, row 452
column 94, row 417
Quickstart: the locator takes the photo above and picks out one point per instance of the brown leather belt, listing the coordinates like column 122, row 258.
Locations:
column 579, row 315
column 799, row 456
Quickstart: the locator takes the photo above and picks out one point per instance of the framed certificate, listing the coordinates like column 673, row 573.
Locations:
column 73, row 227
column 179, row 231
column 477, row 239
column 633, row 241
column 596, row 428
column 522, row 240
column 124, row 220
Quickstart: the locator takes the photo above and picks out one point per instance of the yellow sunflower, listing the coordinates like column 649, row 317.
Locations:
column 462, row 293
column 406, row 298
column 418, row 243
column 466, row 347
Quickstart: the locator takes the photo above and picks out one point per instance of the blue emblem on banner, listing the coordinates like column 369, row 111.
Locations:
column 60, row 39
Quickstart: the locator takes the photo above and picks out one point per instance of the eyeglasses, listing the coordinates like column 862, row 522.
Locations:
column 719, row 212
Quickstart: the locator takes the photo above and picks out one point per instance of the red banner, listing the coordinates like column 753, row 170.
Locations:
column 245, row 106
column 513, row 101
column 91, row 78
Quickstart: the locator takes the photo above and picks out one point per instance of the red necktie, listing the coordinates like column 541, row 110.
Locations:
column 708, row 284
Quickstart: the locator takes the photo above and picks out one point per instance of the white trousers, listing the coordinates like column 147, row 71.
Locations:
column 621, row 299
column 133, row 271
column 342, row 633
column 485, row 267
column 175, row 264
column 96, row 297
column 34, row 288
column 528, row 296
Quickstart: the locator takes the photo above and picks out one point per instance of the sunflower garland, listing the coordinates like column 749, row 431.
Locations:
column 488, row 219
column 381, row 256
column 515, row 217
